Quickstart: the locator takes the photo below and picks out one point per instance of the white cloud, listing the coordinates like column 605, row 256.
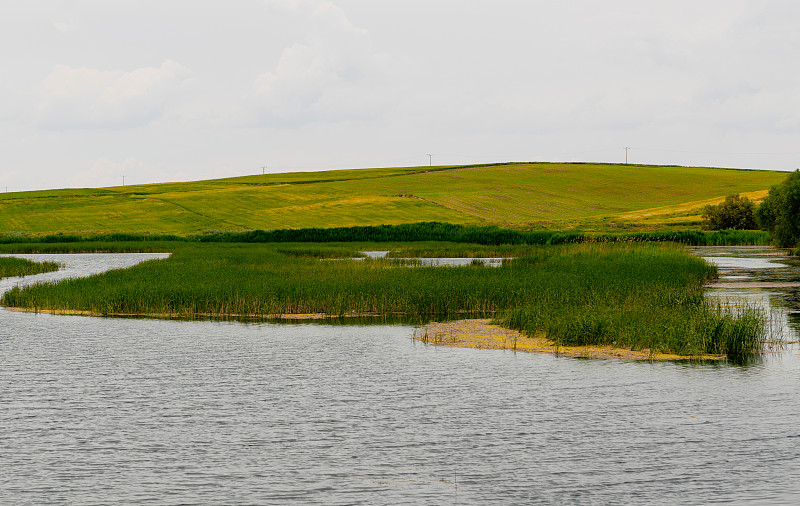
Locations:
column 83, row 97
column 383, row 83
column 335, row 74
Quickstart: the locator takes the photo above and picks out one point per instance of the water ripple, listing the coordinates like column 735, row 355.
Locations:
column 101, row 410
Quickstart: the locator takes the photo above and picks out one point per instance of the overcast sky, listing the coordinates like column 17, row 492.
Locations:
column 92, row 91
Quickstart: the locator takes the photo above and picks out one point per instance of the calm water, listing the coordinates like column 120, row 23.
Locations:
column 166, row 412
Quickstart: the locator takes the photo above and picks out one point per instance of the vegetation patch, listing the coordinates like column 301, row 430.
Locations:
column 483, row 334
column 736, row 212
column 780, row 212
column 11, row 267
column 627, row 295
column 407, row 233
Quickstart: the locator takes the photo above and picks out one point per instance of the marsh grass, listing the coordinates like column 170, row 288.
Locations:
column 92, row 247
column 737, row 335
column 10, row 266
column 414, row 239
column 642, row 296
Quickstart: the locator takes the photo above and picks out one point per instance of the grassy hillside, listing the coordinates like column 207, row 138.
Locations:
column 592, row 196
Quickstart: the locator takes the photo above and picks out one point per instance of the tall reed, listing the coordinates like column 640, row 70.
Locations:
column 11, row 266
column 410, row 232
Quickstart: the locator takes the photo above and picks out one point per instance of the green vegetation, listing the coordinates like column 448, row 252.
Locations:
column 558, row 196
column 627, row 294
column 10, row 266
column 736, row 212
column 780, row 212
column 414, row 232
column 585, row 268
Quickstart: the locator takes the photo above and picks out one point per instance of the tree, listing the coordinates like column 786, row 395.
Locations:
column 780, row 212
column 734, row 212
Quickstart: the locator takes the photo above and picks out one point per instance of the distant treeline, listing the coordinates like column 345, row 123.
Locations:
column 488, row 235
column 412, row 232
column 69, row 238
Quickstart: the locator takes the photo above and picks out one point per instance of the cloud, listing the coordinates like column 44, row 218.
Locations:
column 335, row 74
column 86, row 98
column 675, row 64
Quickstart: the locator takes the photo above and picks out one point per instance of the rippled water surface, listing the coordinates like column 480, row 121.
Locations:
column 101, row 410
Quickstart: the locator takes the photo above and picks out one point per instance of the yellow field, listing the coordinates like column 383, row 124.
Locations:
column 590, row 196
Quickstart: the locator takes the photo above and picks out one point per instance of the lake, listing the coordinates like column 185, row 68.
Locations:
column 143, row 411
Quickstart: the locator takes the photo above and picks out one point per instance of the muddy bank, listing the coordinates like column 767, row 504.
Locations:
column 470, row 333
column 481, row 334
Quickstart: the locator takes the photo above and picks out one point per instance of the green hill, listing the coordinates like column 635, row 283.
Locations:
column 550, row 195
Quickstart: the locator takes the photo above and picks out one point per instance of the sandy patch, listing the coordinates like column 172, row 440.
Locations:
column 482, row 334
column 472, row 333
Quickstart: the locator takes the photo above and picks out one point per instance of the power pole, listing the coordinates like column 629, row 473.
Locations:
column 430, row 160
column 263, row 169
column 123, row 180
column 626, row 155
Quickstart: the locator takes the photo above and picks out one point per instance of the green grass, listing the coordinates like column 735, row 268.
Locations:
column 10, row 266
column 627, row 294
column 407, row 233
column 644, row 297
column 524, row 195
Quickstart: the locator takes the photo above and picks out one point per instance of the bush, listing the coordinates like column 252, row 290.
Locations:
column 779, row 213
column 736, row 212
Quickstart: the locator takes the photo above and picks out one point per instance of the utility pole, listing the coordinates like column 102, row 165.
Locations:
column 430, row 160
column 626, row 155
column 123, row 180
column 263, row 169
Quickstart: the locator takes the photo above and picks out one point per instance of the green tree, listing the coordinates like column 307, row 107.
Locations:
column 735, row 212
column 780, row 212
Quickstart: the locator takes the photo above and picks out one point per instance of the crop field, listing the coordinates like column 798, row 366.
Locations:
column 641, row 296
column 523, row 195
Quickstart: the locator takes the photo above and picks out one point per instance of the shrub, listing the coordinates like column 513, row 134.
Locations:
column 779, row 213
column 736, row 212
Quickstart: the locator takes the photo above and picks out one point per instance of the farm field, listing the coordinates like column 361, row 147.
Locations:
column 520, row 195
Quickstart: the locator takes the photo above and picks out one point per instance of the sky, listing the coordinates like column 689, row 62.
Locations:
column 94, row 91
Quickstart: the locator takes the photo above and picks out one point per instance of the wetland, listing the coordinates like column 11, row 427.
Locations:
column 635, row 295
column 174, row 411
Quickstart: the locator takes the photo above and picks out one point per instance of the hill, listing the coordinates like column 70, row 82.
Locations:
column 529, row 195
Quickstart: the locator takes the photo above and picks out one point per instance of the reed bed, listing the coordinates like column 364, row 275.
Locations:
column 484, row 235
column 92, row 247
column 10, row 266
column 641, row 296
column 406, row 233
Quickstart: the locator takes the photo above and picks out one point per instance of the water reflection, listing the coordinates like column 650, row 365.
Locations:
column 762, row 277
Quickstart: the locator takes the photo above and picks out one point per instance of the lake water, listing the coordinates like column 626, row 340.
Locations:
column 103, row 410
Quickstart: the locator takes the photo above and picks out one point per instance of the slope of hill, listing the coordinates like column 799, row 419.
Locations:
column 520, row 194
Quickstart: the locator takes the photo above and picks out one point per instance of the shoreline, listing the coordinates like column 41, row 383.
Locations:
column 478, row 333
column 482, row 334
